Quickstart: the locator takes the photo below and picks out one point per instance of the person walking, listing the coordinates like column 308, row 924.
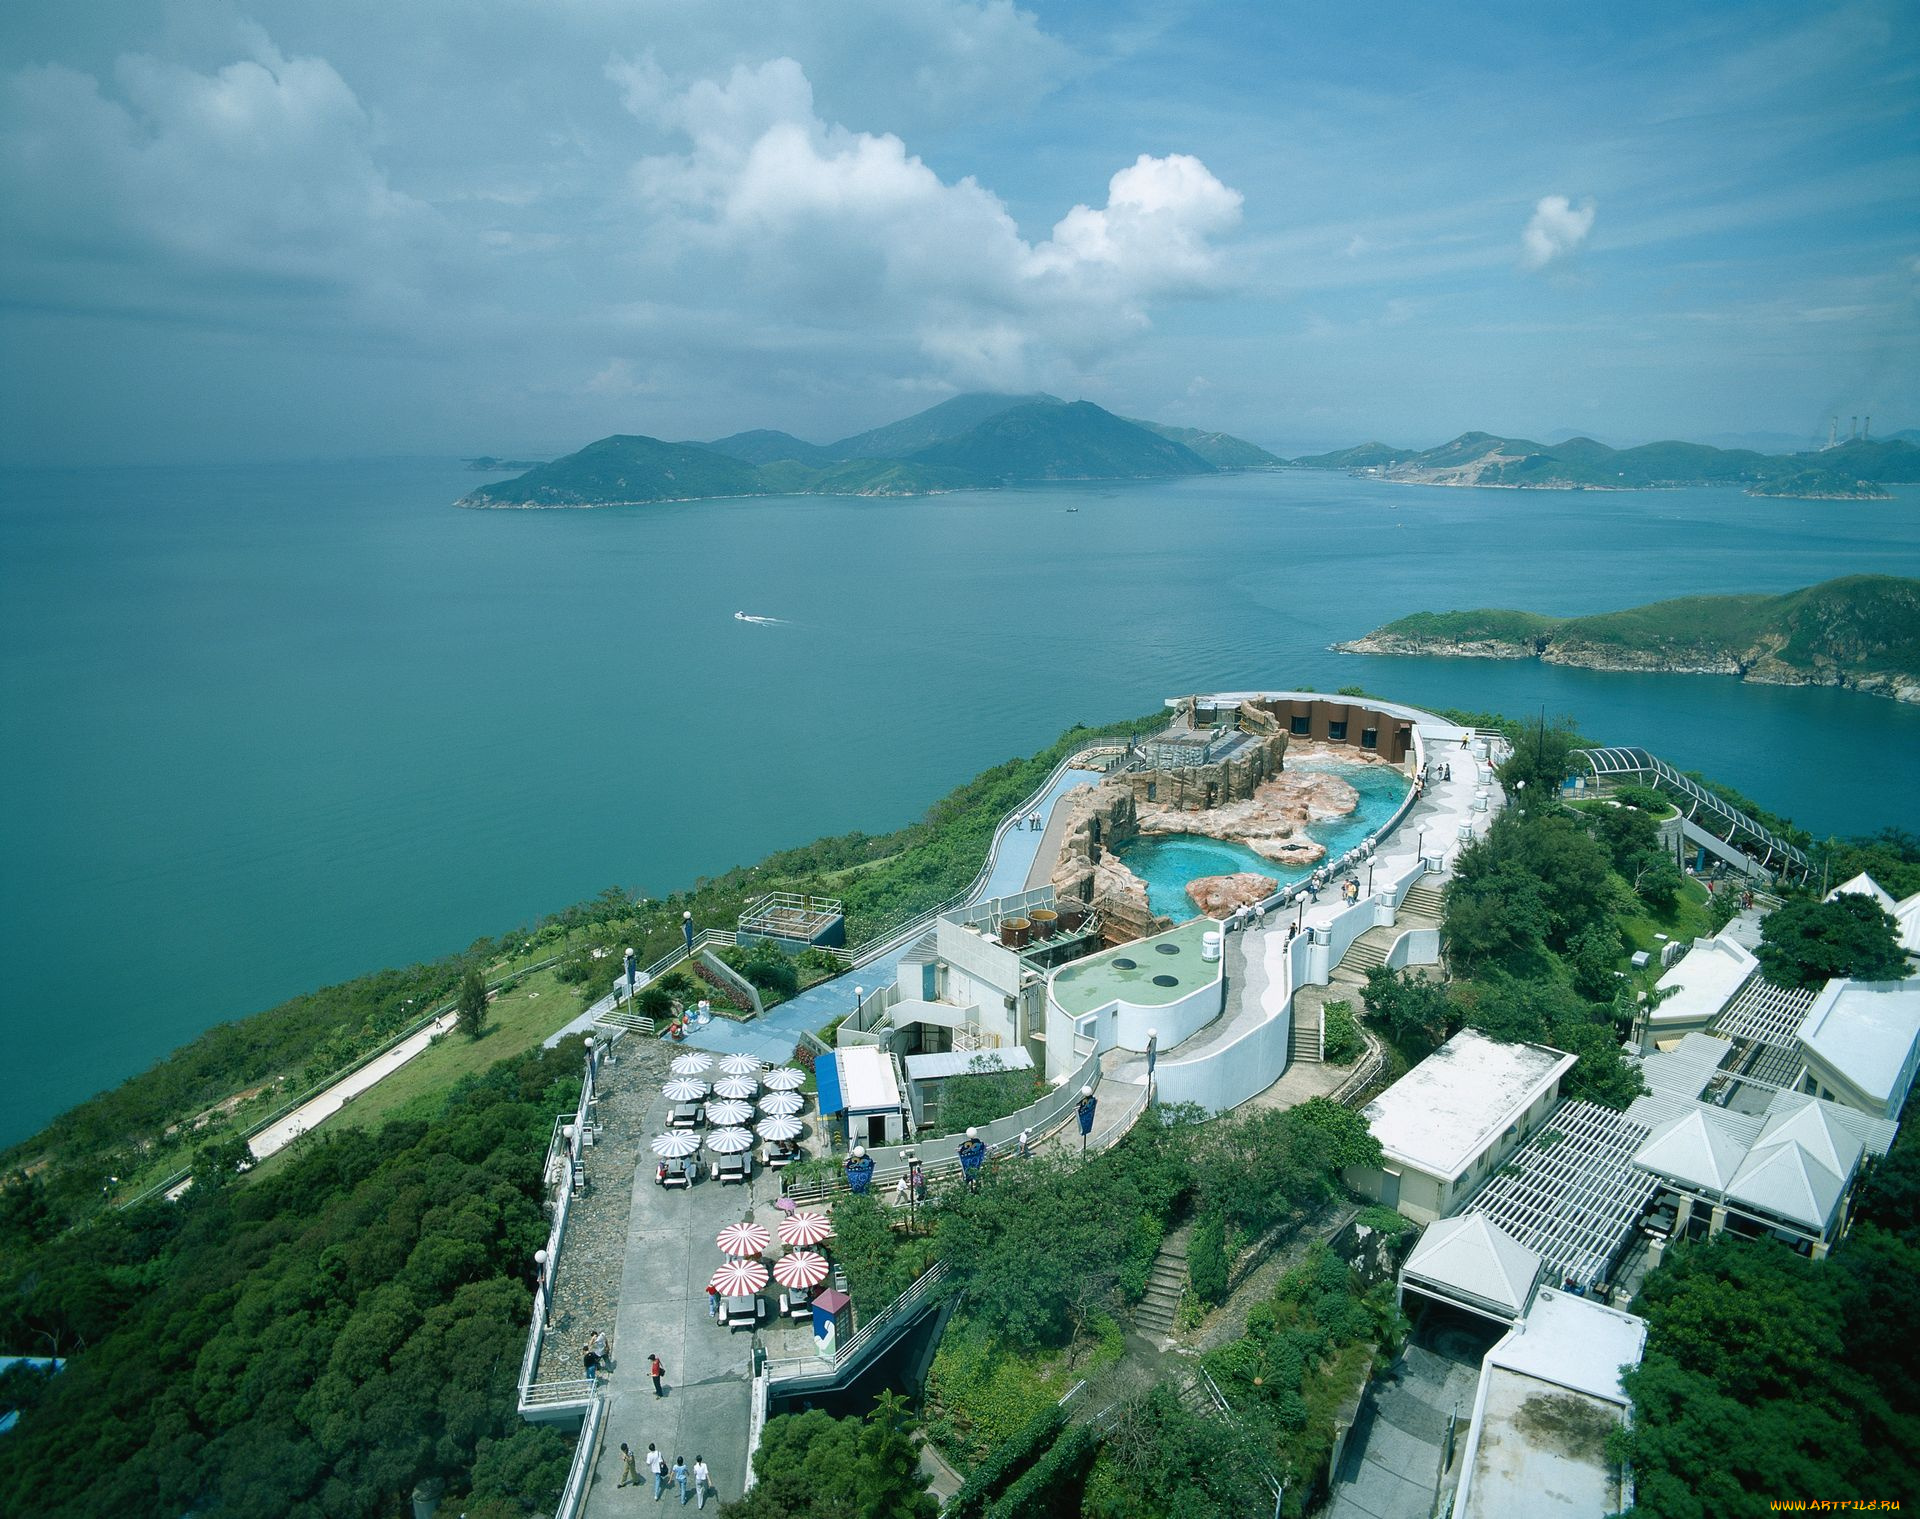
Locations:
column 627, row 1477
column 590, row 1362
column 713, row 1301
column 602, row 1349
column 702, row 1479
column 680, row 1477
column 656, row 1371
column 657, row 1467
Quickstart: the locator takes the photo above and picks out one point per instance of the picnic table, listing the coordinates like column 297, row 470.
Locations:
column 738, row 1311
column 684, row 1115
column 677, row 1172
column 797, row 1303
column 733, row 1167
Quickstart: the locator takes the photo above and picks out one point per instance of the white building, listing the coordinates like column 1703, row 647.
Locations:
column 1861, row 1044
column 1470, row 1262
column 1450, row 1122
column 1697, row 987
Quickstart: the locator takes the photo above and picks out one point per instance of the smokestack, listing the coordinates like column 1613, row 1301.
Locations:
column 1856, row 429
column 1869, row 432
column 1833, row 432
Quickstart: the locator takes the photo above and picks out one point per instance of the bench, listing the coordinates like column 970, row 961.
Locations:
column 684, row 1115
column 733, row 1168
column 678, row 1173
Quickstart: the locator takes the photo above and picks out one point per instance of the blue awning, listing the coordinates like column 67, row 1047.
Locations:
column 826, row 1077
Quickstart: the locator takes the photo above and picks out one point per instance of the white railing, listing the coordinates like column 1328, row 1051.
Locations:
column 580, row 1471
column 863, row 1341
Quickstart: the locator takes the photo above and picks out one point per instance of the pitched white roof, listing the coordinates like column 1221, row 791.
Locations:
column 1906, row 913
column 1471, row 1256
column 1813, row 1128
column 1863, row 885
column 1703, row 981
column 1865, row 1032
column 1787, row 1181
column 1450, row 1107
column 1695, row 1149
column 1874, row 1134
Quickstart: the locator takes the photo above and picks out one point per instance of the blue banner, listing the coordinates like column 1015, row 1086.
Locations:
column 1087, row 1105
column 860, row 1173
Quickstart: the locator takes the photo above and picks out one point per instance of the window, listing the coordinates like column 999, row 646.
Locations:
column 1369, row 738
column 1300, row 721
column 1337, row 731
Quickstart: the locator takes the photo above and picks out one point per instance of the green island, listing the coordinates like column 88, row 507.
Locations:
column 971, row 442
column 1859, row 469
column 1859, row 632
column 339, row 1330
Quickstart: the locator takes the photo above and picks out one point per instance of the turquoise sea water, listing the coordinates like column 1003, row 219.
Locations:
column 1167, row 862
column 265, row 728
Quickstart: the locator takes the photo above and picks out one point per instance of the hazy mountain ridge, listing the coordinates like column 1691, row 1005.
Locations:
column 1858, row 469
column 1861, row 632
column 969, row 442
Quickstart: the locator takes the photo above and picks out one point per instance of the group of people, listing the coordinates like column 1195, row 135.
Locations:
column 658, row 1468
column 596, row 1355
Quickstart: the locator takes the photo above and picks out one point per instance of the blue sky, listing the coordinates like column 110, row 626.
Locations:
column 451, row 226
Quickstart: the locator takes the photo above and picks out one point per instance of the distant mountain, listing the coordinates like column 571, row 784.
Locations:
column 1221, row 450
column 764, row 446
column 1860, row 632
column 1905, row 435
column 1051, row 441
column 1853, row 470
column 623, row 471
column 486, row 464
column 937, row 424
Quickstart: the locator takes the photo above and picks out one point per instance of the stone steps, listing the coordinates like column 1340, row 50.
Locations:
column 1364, row 957
column 1166, row 1285
column 1426, row 902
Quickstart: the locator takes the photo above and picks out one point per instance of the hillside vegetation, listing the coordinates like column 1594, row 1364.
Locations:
column 1856, row 470
column 970, row 442
column 1861, row 632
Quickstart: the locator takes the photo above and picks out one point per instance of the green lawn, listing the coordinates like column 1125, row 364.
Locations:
column 1688, row 920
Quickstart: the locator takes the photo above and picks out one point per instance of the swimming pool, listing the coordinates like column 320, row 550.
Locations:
column 1166, row 862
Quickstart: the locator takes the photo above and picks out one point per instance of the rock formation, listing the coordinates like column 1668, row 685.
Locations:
column 1219, row 896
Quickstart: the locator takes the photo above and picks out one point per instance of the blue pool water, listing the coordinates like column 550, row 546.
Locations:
column 1168, row 861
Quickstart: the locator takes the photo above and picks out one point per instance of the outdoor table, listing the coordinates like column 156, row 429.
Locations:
column 735, row 1311
column 733, row 1167
column 685, row 1115
column 778, row 1158
column 679, row 1173
column 797, row 1303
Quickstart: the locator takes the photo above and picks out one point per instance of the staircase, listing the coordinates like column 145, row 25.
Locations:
column 1425, row 901
column 1306, row 1041
column 1166, row 1285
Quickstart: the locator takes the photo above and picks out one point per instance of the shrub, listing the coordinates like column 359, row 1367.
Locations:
column 1052, row 1486
column 1207, row 1259
column 1007, row 1461
column 1344, row 1043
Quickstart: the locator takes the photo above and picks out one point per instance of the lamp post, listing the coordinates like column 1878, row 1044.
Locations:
column 588, row 1041
column 686, row 928
column 859, row 996
column 540, row 1281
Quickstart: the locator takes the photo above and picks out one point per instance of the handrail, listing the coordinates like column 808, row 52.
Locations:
column 855, row 1348
column 580, row 1471
column 1611, row 762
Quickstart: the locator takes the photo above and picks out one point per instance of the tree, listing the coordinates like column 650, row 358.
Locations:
column 1415, row 1011
column 1207, row 1259
column 470, row 1006
column 1542, row 758
column 1808, row 943
column 1591, row 959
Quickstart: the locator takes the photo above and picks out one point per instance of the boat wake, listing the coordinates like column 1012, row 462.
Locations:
column 765, row 622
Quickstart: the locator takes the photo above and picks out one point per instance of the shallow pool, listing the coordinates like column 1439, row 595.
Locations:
column 1166, row 862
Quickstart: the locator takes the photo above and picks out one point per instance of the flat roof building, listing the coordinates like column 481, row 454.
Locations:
column 1446, row 1125
column 1698, row 986
column 1861, row 1044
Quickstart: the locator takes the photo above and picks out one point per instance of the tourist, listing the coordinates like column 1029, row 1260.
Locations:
column 1026, row 1143
column 701, row 1478
column 657, row 1465
column 919, row 1179
column 713, row 1301
column 680, row 1478
column 656, row 1371
column 591, row 1362
column 627, row 1478
column 602, row 1349
column 902, row 1191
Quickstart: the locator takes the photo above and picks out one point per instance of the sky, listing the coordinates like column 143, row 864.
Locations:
column 281, row 230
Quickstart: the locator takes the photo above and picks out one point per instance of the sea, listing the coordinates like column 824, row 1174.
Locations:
column 268, row 727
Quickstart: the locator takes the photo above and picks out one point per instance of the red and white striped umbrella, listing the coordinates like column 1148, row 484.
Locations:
column 738, row 1278
column 800, row 1268
column 743, row 1239
column 805, row 1229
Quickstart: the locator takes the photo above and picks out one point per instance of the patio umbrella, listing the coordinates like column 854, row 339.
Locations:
column 785, row 1204
column 743, row 1239
column 729, row 1112
column 805, row 1229
column 740, row 1087
column 685, row 1089
column 691, row 1064
column 676, row 1143
column 783, row 1104
column 786, row 1079
column 729, row 1141
column 738, row 1278
column 801, row 1268
column 741, row 1065
column 780, row 1127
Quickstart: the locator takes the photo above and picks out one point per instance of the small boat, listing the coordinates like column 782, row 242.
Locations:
column 1073, row 508
column 741, row 617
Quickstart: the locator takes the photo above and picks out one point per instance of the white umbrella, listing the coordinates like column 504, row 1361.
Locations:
column 676, row 1143
column 785, row 1104
column 741, row 1088
column 739, row 1278
column 691, row 1064
column 780, row 1127
column 805, row 1229
column 741, row 1065
column 729, row 1112
column 729, row 1141
column 743, row 1239
column 786, row 1079
column 685, row 1089
column 800, row 1268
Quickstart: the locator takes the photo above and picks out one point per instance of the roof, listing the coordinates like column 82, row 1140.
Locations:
column 1789, row 1182
column 1812, row 1127
column 826, row 1082
column 1865, row 1032
column 1470, row 1256
column 866, row 1079
column 1906, row 913
column 1574, row 1342
column 964, row 1062
column 1685, row 1070
column 1703, row 981
column 1446, row 1110
column 1694, row 1148
column 1863, row 885
column 1875, row 1134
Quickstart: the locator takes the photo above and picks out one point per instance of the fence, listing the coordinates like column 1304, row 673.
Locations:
column 873, row 1335
column 580, row 1472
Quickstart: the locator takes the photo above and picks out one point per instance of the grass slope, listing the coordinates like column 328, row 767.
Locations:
column 1078, row 441
column 1221, row 450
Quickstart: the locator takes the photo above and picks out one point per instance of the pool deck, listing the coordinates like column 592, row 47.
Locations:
column 1100, row 979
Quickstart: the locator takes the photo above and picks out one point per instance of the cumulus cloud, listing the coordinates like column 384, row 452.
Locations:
column 849, row 229
column 1557, row 229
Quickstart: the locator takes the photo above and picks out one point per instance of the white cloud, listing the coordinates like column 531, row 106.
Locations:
column 849, row 231
column 1557, row 229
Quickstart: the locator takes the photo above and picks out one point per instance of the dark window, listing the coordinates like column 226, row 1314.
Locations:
column 1300, row 723
column 1369, row 738
column 1153, row 789
column 1337, row 731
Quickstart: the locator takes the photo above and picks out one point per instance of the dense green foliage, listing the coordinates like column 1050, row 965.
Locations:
column 1207, row 1258
column 1007, row 1461
column 984, row 1094
column 470, row 1004
column 1856, row 625
column 1162, row 1460
column 312, row 1343
column 1077, row 441
column 1768, row 1375
column 1807, row 942
column 813, row 1466
column 1050, row 1489
column 1221, row 450
column 624, row 468
column 1891, row 857
column 1343, row 1041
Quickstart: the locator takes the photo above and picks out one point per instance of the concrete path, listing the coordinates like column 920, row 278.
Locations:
column 317, row 1110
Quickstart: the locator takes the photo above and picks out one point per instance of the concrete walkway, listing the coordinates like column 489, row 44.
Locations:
column 319, row 1109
